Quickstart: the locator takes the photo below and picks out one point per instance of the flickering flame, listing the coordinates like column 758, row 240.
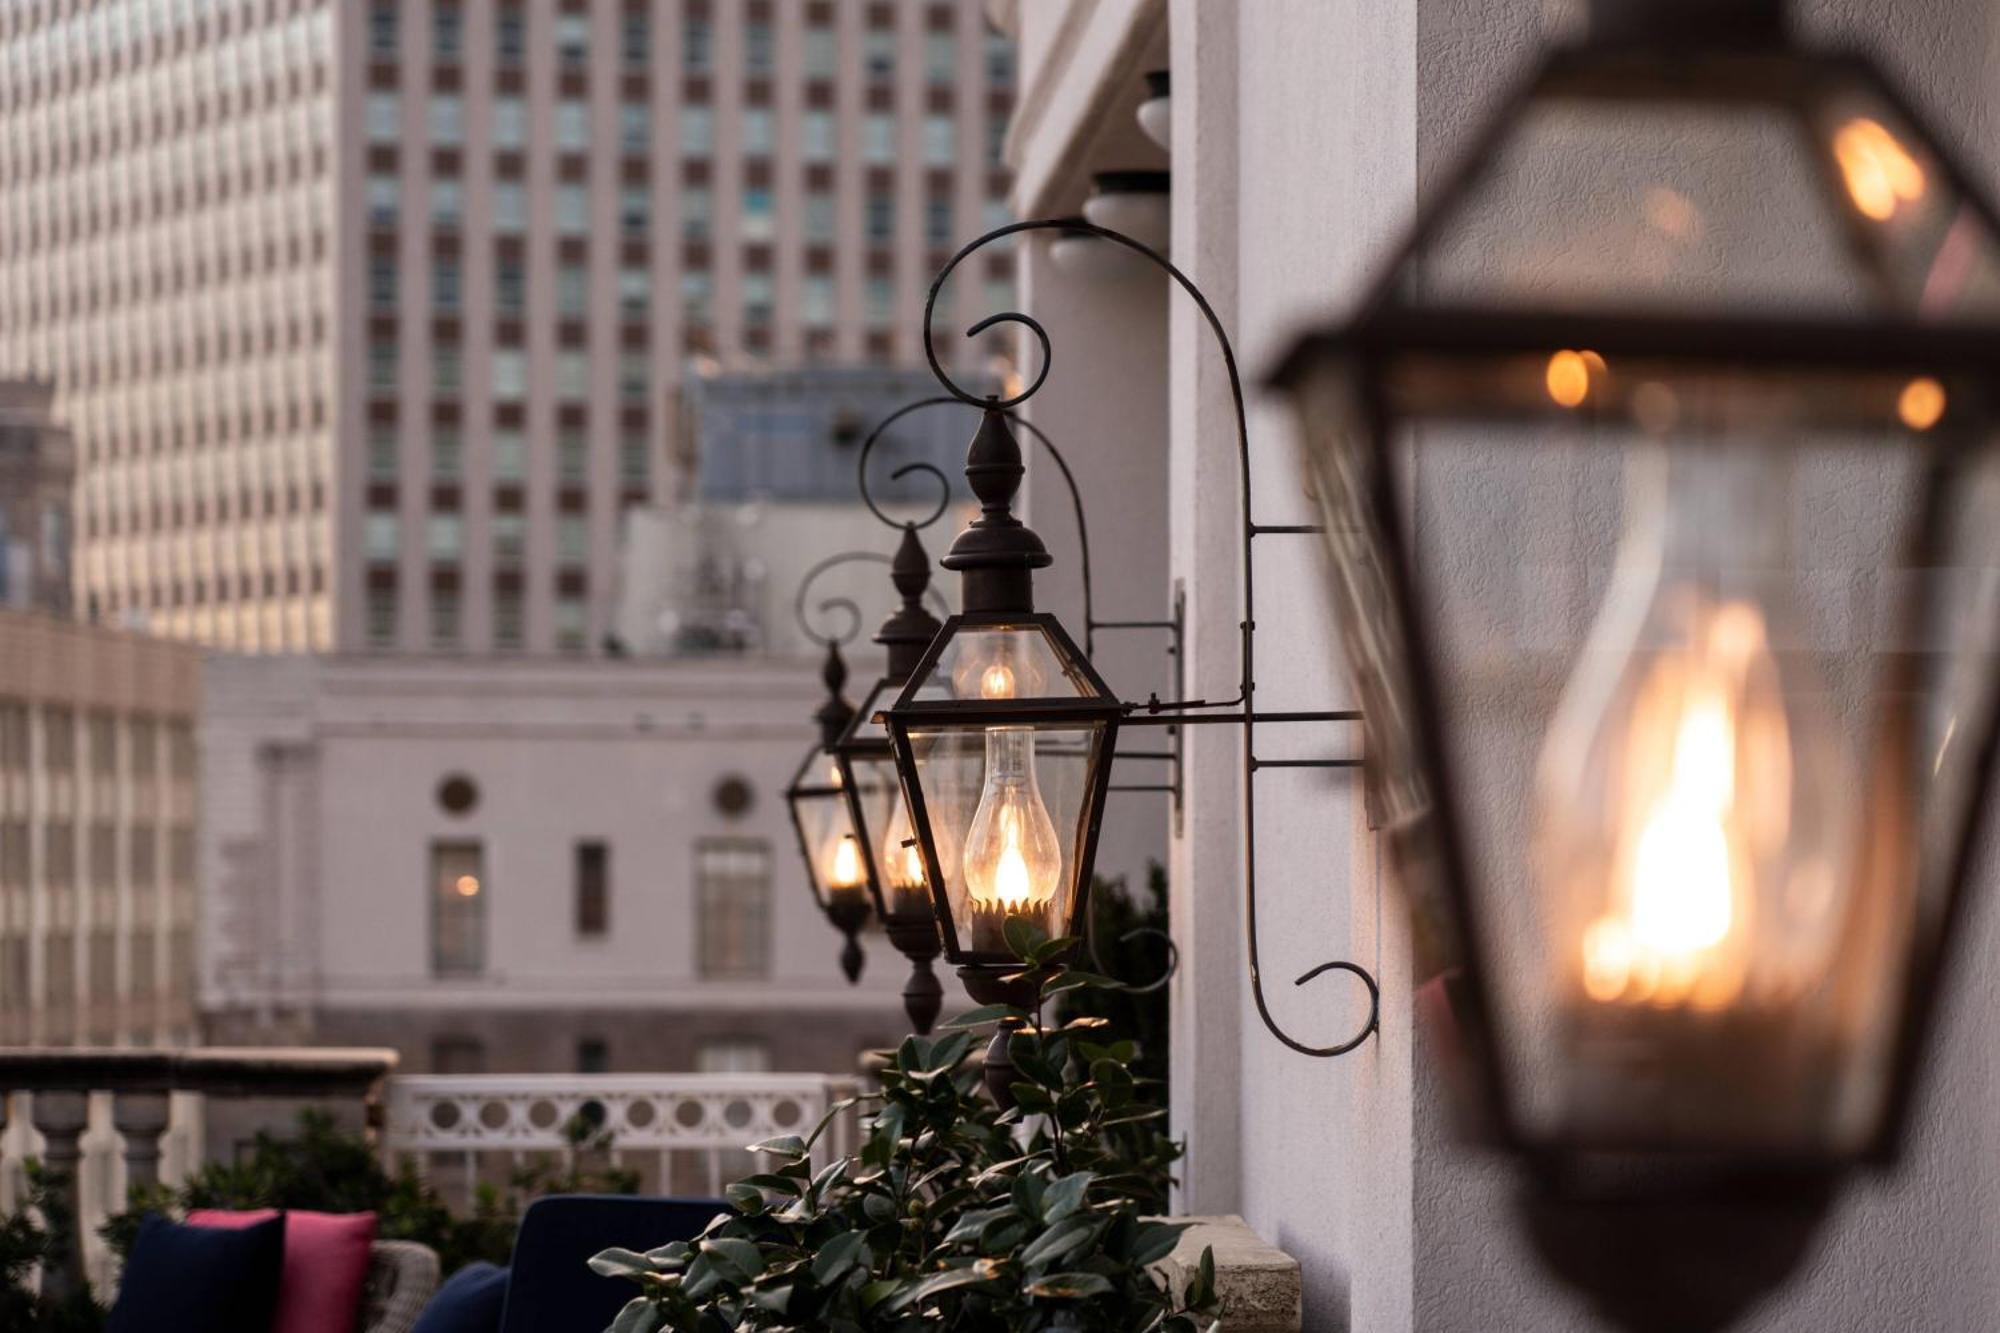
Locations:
column 913, row 868
column 467, row 886
column 1921, row 404
column 1568, row 377
column 1881, row 175
column 845, row 872
column 996, row 682
column 1011, row 886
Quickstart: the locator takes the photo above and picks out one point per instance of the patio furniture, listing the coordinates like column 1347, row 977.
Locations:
column 551, row 1285
column 402, row 1275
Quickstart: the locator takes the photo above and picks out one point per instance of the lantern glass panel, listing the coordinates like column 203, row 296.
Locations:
column 878, row 795
column 1012, row 813
column 1709, row 611
column 1004, row 663
column 1788, row 192
column 835, row 859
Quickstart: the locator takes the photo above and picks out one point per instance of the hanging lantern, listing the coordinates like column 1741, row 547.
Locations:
column 1003, row 737
column 1661, row 486
column 835, row 855
column 876, row 809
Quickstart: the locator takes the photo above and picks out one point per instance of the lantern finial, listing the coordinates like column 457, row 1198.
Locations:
column 997, row 554
column 909, row 629
column 834, row 714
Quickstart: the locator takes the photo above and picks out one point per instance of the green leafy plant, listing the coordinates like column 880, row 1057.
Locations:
column 32, row 1240
column 954, row 1215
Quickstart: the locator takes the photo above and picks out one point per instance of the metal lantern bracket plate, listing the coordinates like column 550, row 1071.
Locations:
column 1178, row 713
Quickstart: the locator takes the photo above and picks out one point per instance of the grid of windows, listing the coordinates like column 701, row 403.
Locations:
column 733, row 902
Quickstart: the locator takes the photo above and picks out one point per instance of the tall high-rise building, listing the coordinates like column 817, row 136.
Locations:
column 368, row 317
column 37, row 469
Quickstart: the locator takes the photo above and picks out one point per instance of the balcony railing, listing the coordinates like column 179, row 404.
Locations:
column 659, row 1124
column 61, row 1083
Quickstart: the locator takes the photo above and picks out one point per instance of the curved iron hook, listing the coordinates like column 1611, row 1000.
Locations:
column 861, row 469
column 832, row 603
column 1246, row 684
column 1137, row 932
column 1374, row 1023
column 1042, row 438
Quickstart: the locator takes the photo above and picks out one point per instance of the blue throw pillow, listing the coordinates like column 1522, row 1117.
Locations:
column 469, row 1303
column 207, row 1278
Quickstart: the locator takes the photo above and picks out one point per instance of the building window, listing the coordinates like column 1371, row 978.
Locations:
column 635, row 209
column 380, row 535
column 382, row 29
column 447, row 204
column 938, row 223
column 444, row 618
column 941, row 59
column 816, row 301
column 881, row 302
column 822, row 53
column 572, row 33
column 572, row 539
column 445, row 285
column 697, row 296
column 999, row 60
column 635, row 291
column 510, row 287
column 635, row 37
column 635, row 461
column 697, row 131
column 510, row 455
column 510, row 207
column 508, row 630
column 510, row 123
column 385, row 200
column 733, row 1055
column 382, row 116
column 758, row 223
column 447, row 121
column 510, row 374
column 572, row 376
column 593, row 888
column 880, row 212
column 458, row 909
column 697, row 212
column 759, row 300
column 381, row 453
column 572, row 291
column 572, row 126
column 572, row 624
column 732, row 898
column 819, row 216
column 447, row 34
column 510, row 538
column 817, row 136
column 697, row 48
column 635, row 127
column 382, row 363
column 759, row 50
column 458, row 1055
column 940, row 140
column 593, row 1056
column 572, row 210
column 760, row 132
column 510, row 33
column 878, row 54
column 447, row 370
column 446, row 537
column 382, row 274
column 878, row 138
column 572, row 457
column 381, row 617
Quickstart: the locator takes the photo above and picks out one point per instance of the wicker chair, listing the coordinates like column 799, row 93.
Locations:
column 402, row 1276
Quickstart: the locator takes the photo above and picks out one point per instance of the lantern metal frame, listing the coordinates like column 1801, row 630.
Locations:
column 906, row 634
column 1628, row 1227
column 848, row 917
column 1238, row 710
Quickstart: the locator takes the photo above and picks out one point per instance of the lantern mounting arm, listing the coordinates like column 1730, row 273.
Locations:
column 1238, row 710
column 831, row 604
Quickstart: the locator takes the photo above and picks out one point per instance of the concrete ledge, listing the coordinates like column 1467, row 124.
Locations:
column 1259, row 1284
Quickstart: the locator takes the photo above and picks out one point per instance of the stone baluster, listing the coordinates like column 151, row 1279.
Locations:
column 60, row 1118
column 141, row 1118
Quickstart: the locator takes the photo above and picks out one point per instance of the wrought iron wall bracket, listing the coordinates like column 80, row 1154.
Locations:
column 1180, row 712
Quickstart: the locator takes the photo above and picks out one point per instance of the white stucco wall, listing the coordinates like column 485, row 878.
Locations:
column 1304, row 134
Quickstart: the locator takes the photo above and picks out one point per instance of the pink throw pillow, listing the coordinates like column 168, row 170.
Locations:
column 326, row 1264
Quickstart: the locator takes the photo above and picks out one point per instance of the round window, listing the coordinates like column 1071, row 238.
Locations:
column 458, row 794
column 734, row 797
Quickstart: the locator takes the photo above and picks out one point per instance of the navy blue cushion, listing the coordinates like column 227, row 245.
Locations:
column 552, row 1285
column 469, row 1303
column 216, row 1280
